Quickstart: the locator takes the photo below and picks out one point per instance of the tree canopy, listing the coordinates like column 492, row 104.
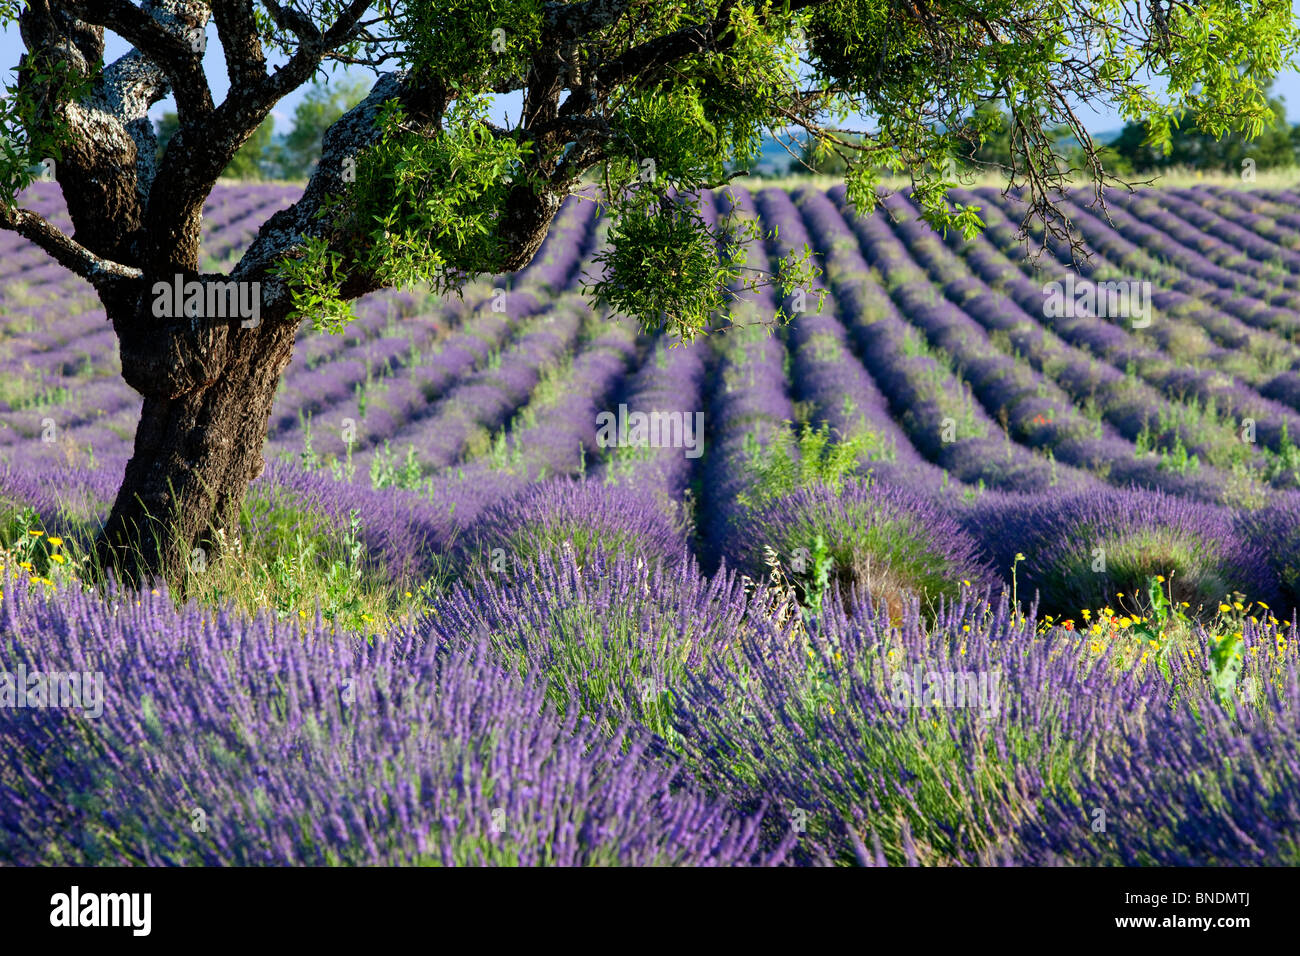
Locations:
column 661, row 97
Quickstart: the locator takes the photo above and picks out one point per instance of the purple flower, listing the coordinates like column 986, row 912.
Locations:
column 588, row 517
column 226, row 741
column 884, row 541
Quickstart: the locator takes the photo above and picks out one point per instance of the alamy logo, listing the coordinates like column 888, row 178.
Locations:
column 947, row 689
column 70, row 689
column 73, row 909
column 652, row 429
column 209, row 300
column 1072, row 298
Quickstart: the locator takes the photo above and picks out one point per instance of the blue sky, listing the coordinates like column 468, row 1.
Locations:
column 1287, row 86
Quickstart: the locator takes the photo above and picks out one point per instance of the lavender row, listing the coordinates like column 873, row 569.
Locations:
column 1119, row 398
column 551, row 437
column 1107, row 340
column 667, row 389
column 420, row 751
column 1034, row 409
column 828, row 374
column 1254, row 351
column 1255, row 304
column 334, row 389
column 1264, row 261
column 1270, row 398
column 940, row 415
column 748, row 403
column 554, row 269
column 485, row 399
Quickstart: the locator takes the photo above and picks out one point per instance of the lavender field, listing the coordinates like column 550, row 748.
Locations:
column 977, row 561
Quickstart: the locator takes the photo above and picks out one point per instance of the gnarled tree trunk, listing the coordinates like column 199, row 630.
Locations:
column 198, row 445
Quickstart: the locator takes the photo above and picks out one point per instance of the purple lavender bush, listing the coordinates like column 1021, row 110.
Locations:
column 875, row 742
column 1215, row 783
column 882, row 539
column 1083, row 550
column 1279, row 526
column 614, row 636
column 588, row 517
column 219, row 740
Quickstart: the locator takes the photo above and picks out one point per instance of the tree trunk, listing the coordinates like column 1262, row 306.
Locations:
column 195, row 450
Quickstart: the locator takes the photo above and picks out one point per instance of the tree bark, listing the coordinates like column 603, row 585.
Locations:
column 195, row 453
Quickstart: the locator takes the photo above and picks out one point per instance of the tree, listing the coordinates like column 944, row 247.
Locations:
column 248, row 163
column 251, row 160
column 315, row 114
column 988, row 135
column 1188, row 145
column 416, row 184
column 825, row 157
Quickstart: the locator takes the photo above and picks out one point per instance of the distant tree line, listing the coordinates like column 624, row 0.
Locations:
column 1136, row 150
column 294, row 155
column 988, row 136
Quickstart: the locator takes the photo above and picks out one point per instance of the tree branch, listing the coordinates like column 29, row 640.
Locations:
column 100, row 272
column 124, row 91
column 283, row 234
column 646, row 61
column 572, row 21
column 237, row 30
column 312, row 50
column 162, row 34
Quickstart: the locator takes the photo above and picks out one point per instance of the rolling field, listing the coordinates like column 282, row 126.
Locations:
column 979, row 560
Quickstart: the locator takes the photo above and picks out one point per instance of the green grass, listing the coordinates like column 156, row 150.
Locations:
column 299, row 565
